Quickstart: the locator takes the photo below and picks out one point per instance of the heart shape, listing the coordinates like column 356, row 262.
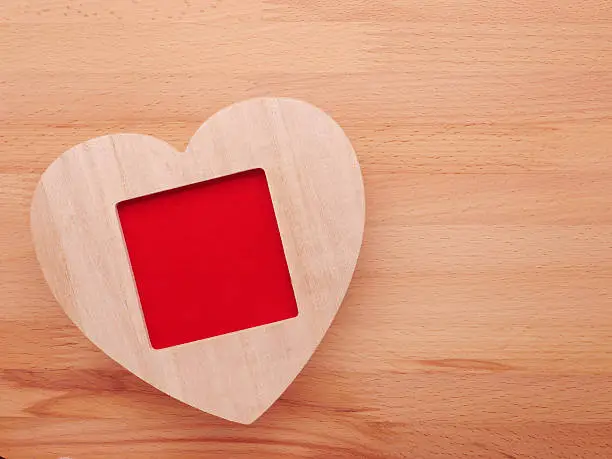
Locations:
column 316, row 188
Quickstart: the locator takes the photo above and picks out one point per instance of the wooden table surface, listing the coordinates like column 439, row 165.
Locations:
column 479, row 321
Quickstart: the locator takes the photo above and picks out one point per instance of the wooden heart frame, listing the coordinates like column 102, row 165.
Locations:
column 318, row 197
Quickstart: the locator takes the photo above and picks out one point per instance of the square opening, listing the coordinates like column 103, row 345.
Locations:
column 207, row 259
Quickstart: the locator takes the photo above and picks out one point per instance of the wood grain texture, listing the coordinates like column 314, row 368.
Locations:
column 316, row 189
column 479, row 323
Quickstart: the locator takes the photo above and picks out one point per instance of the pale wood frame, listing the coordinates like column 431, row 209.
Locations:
column 318, row 196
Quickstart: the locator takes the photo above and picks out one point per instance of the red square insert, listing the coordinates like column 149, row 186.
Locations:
column 207, row 259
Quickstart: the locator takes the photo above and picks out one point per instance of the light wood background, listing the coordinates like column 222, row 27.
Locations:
column 479, row 323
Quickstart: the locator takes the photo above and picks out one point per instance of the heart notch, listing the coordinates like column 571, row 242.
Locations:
column 211, row 274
